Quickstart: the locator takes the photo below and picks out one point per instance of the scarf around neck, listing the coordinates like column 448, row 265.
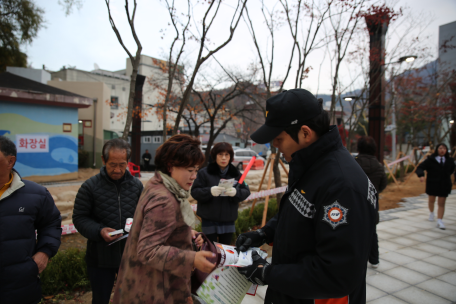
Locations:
column 182, row 196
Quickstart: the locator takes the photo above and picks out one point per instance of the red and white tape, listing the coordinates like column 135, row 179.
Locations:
column 69, row 229
column 256, row 195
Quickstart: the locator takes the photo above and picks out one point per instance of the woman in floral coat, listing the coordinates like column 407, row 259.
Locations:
column 158, row 259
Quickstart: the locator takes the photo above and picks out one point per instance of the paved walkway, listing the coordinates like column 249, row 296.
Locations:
column 417, row 260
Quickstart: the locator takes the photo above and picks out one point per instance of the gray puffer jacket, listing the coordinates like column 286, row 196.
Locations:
column 98, row 205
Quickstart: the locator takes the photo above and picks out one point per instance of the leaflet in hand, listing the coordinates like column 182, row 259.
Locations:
column 231, row 257
column 227, row 184
column 225, row 284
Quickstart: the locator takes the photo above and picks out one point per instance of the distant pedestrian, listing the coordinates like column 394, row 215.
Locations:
column 376, row 174
column 439, row 167
column 146, row 159
column 102, row 205
column 24, row 207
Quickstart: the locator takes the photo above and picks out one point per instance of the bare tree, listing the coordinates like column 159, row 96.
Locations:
column 207, row 22
column 173, row 64
column 134, row 59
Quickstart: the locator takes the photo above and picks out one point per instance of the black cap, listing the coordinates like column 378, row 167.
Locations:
column 291, row 107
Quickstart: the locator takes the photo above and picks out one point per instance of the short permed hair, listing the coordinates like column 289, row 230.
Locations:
column 222, row 147
column 7, row 146
column 180, row 150
column 319, row 124
column 116, row 143
column 367, row 145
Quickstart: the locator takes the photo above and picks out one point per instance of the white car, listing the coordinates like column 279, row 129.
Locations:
column 241, row 155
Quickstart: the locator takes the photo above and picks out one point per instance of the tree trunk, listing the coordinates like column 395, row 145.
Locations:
column 131, row 97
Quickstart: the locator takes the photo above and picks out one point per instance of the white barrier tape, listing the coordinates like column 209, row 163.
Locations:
column 265, row 193
column 257, row 195
column 68, row 229
column 398, row 160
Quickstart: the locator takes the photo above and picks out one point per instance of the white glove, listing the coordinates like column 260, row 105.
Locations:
column 231, row 192
column 216, row 190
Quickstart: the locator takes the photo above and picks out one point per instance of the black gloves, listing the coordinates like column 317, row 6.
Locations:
column 255, row 273
column 250, row 239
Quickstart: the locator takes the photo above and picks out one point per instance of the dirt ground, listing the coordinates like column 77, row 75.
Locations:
column 392, row 195
column 86, row 173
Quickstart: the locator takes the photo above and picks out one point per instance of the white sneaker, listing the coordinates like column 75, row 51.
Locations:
column 431, row 216
column 375, row 266
column 440, row 225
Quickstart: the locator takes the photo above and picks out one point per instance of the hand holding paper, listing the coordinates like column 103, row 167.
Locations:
column 216, row 190
column 255, row 273
column 231, row 192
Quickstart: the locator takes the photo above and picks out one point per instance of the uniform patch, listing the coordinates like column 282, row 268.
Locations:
column 371, row 194
column 302, row 204
column 335, row 215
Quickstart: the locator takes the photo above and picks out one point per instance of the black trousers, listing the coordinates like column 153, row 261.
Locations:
column 374, row 255
column 222, row 238
column 102, row 282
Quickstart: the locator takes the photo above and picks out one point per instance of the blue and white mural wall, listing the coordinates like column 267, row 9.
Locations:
column 44, row 149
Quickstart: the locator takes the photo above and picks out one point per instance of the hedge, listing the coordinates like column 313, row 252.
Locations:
column 66, row 271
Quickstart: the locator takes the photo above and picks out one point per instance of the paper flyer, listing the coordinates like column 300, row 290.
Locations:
column 227, row 184
column 225, row 285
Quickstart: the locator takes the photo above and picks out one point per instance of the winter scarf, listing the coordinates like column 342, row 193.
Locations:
column 182, row 196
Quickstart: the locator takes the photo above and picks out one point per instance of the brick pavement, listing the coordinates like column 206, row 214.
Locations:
column 417, row 260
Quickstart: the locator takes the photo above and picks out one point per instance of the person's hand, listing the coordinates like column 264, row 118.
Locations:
column 250, row 239
column 216, row 190
column 231, row 192
column 255, row 273
column 197, row 238
column 41, row 259
column 105, row 235
column 422, row 179
column 201, row 263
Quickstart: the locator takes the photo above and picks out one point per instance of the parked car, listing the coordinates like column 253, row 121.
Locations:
column 242, row 155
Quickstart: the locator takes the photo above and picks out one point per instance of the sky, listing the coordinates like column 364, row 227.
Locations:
column 85, row 38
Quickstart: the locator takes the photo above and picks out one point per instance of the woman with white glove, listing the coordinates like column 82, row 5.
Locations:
column 218, row 207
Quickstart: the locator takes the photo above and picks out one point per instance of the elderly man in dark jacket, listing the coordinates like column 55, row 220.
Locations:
column 376, row 174
column 102, row 205
column 323, row 231
column 24, row 207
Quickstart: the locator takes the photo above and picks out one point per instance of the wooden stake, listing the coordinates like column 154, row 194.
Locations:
column 265, row 212
column 261, row 183
column 283, row 166
column 391, row 173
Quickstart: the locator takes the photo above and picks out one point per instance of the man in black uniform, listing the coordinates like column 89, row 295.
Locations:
column 323, row 232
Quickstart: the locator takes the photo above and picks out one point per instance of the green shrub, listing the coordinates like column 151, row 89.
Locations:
column 246, row 223
column 66, row 271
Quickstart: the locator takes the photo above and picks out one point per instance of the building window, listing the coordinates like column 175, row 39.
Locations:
column 113, row 87
column 114, row 102
column 147, row 139
column 157, row 139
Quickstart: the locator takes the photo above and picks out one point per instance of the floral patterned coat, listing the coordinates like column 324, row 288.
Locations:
column 158, row 259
